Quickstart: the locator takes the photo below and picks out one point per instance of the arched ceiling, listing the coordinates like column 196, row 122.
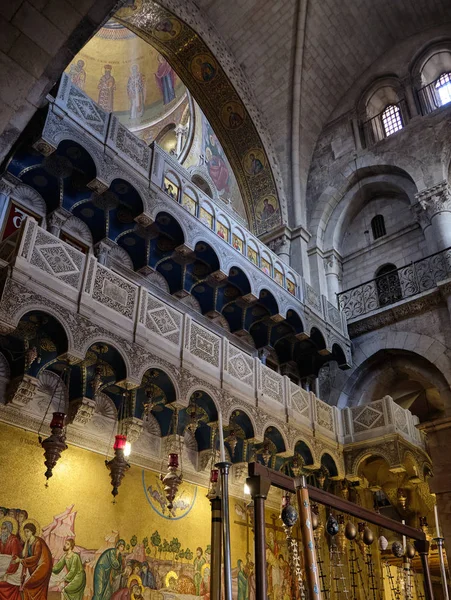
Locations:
column 343, row 38
column 205, row 77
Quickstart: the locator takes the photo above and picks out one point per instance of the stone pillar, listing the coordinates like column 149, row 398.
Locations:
column 356, row 132
column 180, row 132
column 56, row 220
column 410, row 100
column 433, row 212
column 281, row 246
column 333, row 268
column 438, row 432
column 102, row 249
column 300, row 238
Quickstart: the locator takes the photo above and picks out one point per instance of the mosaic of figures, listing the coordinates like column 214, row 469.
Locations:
column 192, row 59
column 46, row 562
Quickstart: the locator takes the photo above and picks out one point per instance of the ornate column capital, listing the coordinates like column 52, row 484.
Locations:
column 432, row 201
column 57, row 219
column 102, row 249
column 333, row 264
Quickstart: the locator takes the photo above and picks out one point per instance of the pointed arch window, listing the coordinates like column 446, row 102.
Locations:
column 391, row 119
column 378, row 227
column 443, row 87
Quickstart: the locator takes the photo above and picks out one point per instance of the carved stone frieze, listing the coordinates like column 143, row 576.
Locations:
column 21, row 390
column 81, row 410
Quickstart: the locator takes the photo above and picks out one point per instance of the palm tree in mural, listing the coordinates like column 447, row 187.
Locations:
column 189, row 555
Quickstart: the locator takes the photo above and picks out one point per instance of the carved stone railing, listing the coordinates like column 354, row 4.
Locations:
column 119, row 153
column 398, row 285
column 64, row 281
column 380, row 418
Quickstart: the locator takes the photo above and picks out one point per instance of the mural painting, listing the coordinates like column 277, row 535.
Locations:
column 71, row 542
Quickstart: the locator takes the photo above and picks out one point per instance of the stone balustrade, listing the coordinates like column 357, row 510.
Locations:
column 164, row 185
column 64, row 279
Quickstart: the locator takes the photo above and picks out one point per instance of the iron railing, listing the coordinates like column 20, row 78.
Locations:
column 374, row 130
column 429, row 98
column 397, row 285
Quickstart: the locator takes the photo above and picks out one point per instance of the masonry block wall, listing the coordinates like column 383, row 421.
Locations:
column 38, row 39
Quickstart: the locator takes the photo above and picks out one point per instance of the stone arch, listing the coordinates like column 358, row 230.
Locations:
column 164, row 369
column 311, row 449
column 343, row 199
column 203, row 91
column 203, row 174
column 44, row 308
column 432, row 350
column 280, row 428
column 363, row 455
column 237, row 406
column 104, row 338
column 200, row 387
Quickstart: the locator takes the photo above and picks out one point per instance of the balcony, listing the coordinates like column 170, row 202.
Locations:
column 166, row 191
column 395, row 288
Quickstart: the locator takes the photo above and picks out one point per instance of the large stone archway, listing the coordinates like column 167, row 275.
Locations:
column 203, row 74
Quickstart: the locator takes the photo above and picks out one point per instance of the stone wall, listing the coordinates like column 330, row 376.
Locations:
column 38, row 38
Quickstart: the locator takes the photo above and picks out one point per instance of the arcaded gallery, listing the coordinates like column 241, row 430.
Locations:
column 225, row 299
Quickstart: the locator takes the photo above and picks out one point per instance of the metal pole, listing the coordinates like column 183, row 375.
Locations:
column 259, row 488
column 224, row 470
column 422, row 547
column 440, row 541
column 305, row 521
column 216, row 548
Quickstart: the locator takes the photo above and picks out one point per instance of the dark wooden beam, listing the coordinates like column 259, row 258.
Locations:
column 284, row 482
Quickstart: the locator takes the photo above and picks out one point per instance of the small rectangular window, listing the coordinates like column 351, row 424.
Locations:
column 378, row 227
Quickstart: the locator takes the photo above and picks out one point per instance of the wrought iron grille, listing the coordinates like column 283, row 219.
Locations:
column 377, row 128
column 397, row 285
column 429, row 95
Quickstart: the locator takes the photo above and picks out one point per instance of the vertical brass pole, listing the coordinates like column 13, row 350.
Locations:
column 216, row 546
column 440, row 541
column 224, row 471
column 305, row 521
column 422, row 547
column 259, row 488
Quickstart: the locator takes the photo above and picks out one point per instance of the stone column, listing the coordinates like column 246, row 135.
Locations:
column 433, row 212
column 102, row 249
column 438, row 432
column 56, row 220
column 333, row 268
column 410, row 100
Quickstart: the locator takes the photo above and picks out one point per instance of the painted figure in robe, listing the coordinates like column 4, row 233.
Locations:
column 136, row 92
column 75, row 577
column 107, row 87
column 107, row 568
column 165, row 78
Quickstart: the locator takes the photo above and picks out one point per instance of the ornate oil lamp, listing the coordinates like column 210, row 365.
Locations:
column 55, row 443
column 118, row 465
column 171, row 480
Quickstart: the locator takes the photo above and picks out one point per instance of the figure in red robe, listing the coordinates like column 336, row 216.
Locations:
column 10, row 544
column 36, row 563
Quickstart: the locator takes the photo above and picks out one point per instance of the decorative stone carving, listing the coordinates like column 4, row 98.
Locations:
column 368, row 417
column 431, row 201
column 20, row 390
column 114, row 292
column 163, row 320
column 81, row 410
column 132, row 428
column 57, row 258
column 271, row 384
column 203, row 344
column 324, row 415
column 300, row 400
column 240, row 365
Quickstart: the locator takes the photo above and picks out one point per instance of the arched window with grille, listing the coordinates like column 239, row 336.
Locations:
column 378, row 227
column 391, row 119
column 443, row 88
column 388, row 285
